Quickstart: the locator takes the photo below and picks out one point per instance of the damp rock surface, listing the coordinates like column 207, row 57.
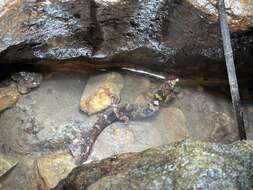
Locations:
column 183, row 165
column 52, row 168
column 8, row 97
column 153, row 34
column 101, row 92
column 209, row 114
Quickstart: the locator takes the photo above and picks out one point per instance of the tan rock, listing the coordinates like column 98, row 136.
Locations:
column 53, row 168
column 8, row 97
column 100, row 92
column 172, row 124
column 6, row 164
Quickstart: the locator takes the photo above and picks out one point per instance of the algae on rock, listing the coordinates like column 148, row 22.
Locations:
column 184, row 165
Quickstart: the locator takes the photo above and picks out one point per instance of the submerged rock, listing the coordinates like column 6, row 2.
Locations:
column 183, row 165
column 6, row 164
column 168, row 126
column 26, row 81
column 209, row 115
column 53, row 168
column 8, row 97
column 173, row 125
column 101, row 92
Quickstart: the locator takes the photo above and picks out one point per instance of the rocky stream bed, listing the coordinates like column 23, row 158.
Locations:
column 34, row 130
column 65, row 76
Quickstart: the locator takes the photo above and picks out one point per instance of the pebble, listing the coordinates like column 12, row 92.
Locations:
column 8, row 97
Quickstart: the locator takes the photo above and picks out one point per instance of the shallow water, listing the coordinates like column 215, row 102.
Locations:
column 197, row 112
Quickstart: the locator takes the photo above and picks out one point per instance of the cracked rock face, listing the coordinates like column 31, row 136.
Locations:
column 154, row 34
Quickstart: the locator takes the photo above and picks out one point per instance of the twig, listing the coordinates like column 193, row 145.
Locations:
column 231, row 69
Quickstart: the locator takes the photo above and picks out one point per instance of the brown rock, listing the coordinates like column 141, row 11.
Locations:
column 209, row 116
column 8, row 97
column 53, row 168
column 157, row 35
column 100, row 92
column 172, row 124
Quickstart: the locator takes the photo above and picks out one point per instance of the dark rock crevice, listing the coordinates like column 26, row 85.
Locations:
column 169, row 36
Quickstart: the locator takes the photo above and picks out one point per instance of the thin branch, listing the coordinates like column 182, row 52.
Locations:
column 228, row 52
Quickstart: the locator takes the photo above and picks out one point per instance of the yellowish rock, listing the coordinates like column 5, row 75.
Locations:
column 8, row 97
column 6, row 164
column 100, row 92
column 53, row 168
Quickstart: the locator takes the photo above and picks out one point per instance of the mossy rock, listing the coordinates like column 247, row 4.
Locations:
column 184, row 165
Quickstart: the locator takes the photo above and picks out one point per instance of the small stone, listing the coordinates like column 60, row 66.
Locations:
column 26, row 81
column 8, row 97
column 53, row 168
column 100, row 92
column 6, row 164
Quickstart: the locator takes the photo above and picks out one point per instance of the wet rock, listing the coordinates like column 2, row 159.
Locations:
column 168, row 126
column 159, row 35
column 183, row 165
column 6, row 164
column 26, row 81
column 209, row 115
column 101, row 92
column 173, row 125
column 115, row 140
column 8, row 97
column 53, row 168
